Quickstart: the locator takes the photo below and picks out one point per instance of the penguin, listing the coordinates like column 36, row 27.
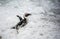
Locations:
column 22, row 22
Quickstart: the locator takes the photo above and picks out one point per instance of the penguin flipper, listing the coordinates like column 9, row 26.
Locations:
column 20, row 18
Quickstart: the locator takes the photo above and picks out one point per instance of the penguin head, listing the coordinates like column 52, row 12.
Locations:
column 27, row 14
